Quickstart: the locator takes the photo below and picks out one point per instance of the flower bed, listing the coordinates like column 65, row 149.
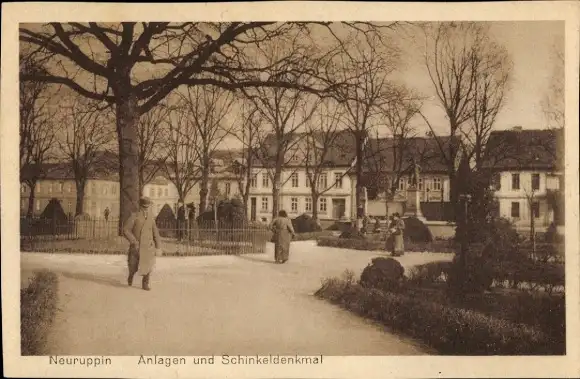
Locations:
column 38, row 303
column 450, row 329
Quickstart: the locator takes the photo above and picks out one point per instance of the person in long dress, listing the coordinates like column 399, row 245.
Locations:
column 143, row 236
column 283, row 233
column 397, row 229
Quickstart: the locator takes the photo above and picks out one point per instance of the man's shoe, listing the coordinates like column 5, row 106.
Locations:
column 130, row 280
column 146, row 283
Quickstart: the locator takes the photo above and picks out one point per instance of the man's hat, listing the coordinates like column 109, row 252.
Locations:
column 145, row 202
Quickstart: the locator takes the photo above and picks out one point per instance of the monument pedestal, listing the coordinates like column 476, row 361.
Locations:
column 413, row 204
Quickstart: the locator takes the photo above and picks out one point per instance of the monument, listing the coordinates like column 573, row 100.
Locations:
column 413, row 203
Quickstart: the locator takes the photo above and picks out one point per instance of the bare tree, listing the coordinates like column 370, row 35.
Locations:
column 181, row 164
column 469, row 73
column 553, row 104
column 134, row 66
column 320, row 148
column 152, row 134
column 208, row 107
column 37, row 127
column 249, row 134
column 398, row 115
column 88, row 133
column 368, row 65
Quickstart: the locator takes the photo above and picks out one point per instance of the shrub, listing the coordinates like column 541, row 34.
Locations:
column 53, row 211
column 416, row 230
column 38, row 303
column 383, row 273
column 371, row 243
column 312, row 236
column 231, row 214
column 166, row 222
column 429, row 273
column 305, row 224
column 450, row 330
column 352, row 233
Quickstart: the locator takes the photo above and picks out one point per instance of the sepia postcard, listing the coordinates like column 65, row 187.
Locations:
column 293, row 189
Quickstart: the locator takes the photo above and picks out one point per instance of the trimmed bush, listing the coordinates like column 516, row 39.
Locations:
column 352, row 233
column 312, row 236
column 371, row 244
column 450, row 330
column 383, row 273
column 305, row 224
column 416, row 230
column 429, row 273
column 38, row 303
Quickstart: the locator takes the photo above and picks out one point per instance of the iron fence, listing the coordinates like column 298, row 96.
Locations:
column 101, row 236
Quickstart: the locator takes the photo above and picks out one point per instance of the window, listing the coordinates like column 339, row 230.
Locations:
column 420, row 183
column 94, row 187
column 254, row 181
column 536, row 209
column 496, row 181
column 23, row 188
column 322, row 205
column 69, row 188
column 294, row 204
column 49, row 187
column 37, row 189
column 437, row 184
column 37, row 205
column 265, row 204
column 308, row 204
column 166, row 192
column 151, row 192
column 105, row 190
column 294, row 179
column 401, row 184
column 535, row 182
column 515, row 181
column 515, row 210
column 159, row 192
column 338, row 179
column 228, row 189
column 307, row 179
column 60, row 187
column 265, row 180
column 322, row 181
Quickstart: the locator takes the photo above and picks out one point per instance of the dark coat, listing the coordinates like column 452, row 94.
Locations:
column 283, row 233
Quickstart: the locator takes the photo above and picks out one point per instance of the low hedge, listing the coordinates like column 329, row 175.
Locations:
column 374, row 243
column 313, row 235
column 448, row 329
column 38, row 304
column 535, row 274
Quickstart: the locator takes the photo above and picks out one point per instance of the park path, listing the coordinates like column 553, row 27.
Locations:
column 214, row 305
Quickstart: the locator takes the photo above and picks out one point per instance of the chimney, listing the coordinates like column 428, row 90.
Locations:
column 517, row 128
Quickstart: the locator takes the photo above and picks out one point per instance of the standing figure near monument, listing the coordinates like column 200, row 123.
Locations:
column 396, row 230
column 283, row 233
column 143, row 236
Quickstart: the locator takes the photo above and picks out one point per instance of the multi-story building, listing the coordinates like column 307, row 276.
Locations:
column 101, row 192
column 528, row 174
column 333, row 180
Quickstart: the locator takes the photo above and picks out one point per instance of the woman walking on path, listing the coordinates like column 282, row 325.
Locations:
column 283, row 234
column 396, row 230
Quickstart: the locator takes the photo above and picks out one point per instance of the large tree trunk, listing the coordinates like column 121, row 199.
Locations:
column 276, row 193
column 315, row 197
column 128, row 115
column 79, row 208
column 359, row 175
column 203, row 190
column 32, row 186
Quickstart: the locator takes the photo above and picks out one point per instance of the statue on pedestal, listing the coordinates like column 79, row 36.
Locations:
column 415, row 172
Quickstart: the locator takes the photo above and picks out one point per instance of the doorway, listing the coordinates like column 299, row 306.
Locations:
column 338, row 208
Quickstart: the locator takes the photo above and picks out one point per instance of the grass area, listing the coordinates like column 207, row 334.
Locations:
column 478, row 326
column 120, row 246
column 375, row 242
column 38, row 304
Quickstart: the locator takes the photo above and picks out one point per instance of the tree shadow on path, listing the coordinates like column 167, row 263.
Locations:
column 94, row 279
column 265, row 259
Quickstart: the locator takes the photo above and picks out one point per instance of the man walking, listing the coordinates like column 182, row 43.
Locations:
column 143, row 236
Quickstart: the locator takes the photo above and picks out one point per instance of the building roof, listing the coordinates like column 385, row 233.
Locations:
column 341, row 149
column 381, row 154
column 105, row 168
column 525, row 149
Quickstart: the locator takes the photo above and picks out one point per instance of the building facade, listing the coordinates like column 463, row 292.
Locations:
column 527, row 173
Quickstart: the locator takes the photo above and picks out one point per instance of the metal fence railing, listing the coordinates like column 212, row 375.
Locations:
column 177, row 238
